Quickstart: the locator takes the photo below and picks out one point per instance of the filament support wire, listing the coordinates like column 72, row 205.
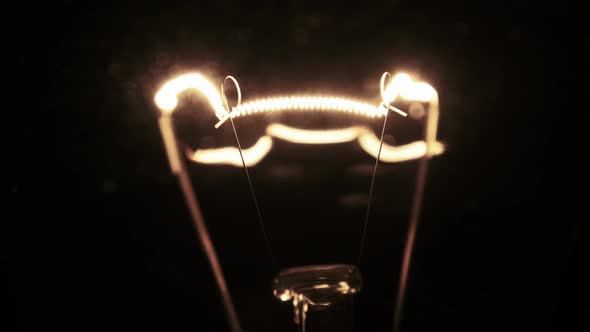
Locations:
column 178, row 169
column 250, row 184
column 371, row 188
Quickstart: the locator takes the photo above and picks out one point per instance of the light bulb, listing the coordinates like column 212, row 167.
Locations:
column 400, row 85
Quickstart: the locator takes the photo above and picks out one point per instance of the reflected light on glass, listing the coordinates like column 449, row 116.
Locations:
column 231, row 155
column 365, row 137
column 395, row 154
column 306, row 136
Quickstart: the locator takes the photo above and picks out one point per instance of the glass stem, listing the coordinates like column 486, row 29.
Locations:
column 302, row 315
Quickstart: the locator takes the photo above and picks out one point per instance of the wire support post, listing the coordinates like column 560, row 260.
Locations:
column 250, row 183
column 177, row 167
column 430, row 132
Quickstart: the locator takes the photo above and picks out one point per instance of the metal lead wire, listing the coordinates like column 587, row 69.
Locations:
column 411, row 237
column 366, row 222
column 176, row 164
column 252, row 191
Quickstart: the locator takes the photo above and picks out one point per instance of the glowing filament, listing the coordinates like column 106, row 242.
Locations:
column 401, row 85
column 304, row 103
column 166, row 98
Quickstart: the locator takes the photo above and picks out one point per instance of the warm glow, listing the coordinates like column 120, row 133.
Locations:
column 418, row 91
column 395, row 154
column 366, row 139
column 344, row 288
column 231, row 155
column 392, row 90
column 285, row 296
column 308, row 103
column 401, row 85
column 321, row 286
column 304, row 103
column 166, row 98
column 298, row 279
column 306, row 136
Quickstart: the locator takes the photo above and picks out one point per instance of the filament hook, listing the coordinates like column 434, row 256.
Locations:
column 386, row 100
column 224, row 99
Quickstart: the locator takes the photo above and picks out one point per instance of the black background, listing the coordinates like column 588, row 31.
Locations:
column 100, row 239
